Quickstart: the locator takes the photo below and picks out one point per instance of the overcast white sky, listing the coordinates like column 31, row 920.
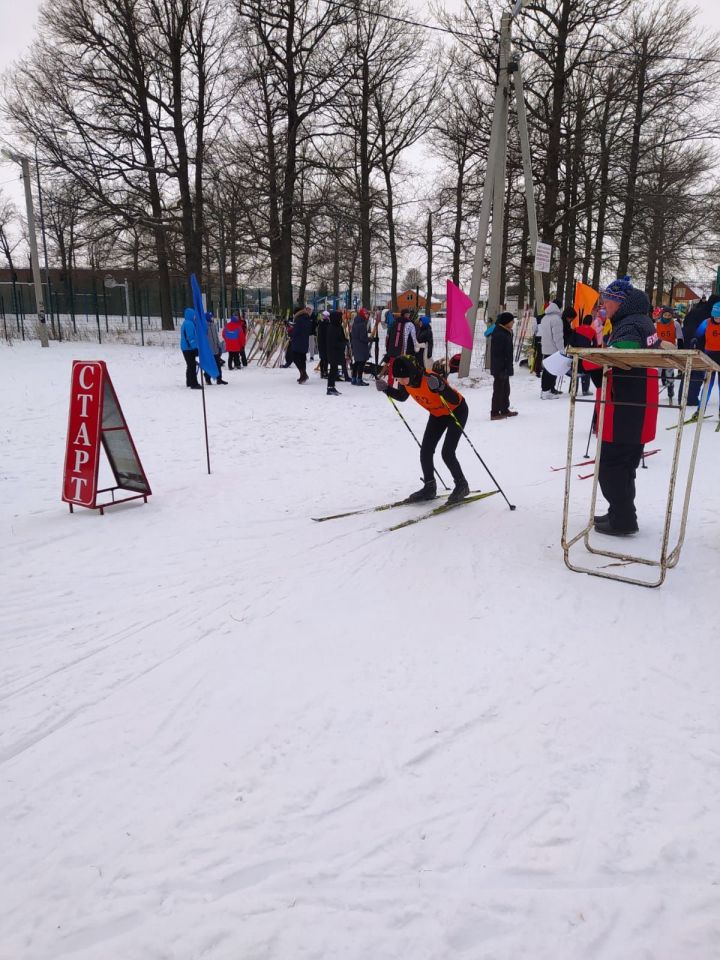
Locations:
column 18, row 21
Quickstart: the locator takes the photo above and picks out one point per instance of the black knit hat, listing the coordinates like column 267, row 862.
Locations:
column 504, row 319
column 404, row 367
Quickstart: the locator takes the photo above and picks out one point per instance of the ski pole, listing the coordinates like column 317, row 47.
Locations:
column 592, row 426
column 497, row 485
column 415, row 438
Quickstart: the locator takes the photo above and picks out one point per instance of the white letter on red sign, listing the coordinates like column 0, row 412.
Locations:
column 83, row 398
column 82, row 436
column 78, row 481
column 81, row 458
column 81, row 378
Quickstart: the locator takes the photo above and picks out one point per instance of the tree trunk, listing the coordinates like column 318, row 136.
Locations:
column 336, row 263
column 629, row 215
column 305, row 265
column 459, row 211
column 392, row 243
column 364, row 205
column 553, row 157
column 429, row 283
column 524, row 245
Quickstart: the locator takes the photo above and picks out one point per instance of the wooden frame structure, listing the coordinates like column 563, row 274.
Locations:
column 687, row 361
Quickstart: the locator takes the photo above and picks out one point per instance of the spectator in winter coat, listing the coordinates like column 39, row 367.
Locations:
column 243, row 324
column 214, row 342
column 234, row 337
column 401, row 339
column 569, row 315
column 708, row 340
column 424, row 336
column 189, row 347
column 336, row 346
column 631, row 407
column 322, row 329
column 669, row 331
column 501, row 367
column 701, row 311
column 360, row 346
column 583, row 337
column 313, row 335
column 300, row 341
column 551, row 334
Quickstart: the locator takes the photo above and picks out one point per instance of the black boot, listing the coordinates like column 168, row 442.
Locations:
column 428, row 491
column 460, row 491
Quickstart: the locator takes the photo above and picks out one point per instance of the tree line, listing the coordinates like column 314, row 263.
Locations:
column 329, row 142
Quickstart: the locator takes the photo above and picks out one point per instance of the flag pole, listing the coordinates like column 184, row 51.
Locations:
column 206, row 359
column 207, row 442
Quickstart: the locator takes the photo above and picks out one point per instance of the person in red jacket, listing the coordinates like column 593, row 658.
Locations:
column 631, row 407
column 583, row 337
column 234, row 336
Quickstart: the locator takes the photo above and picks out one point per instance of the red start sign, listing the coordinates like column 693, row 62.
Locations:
column 96, row 419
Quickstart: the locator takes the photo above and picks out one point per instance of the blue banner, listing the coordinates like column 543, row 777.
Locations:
column 206, row 358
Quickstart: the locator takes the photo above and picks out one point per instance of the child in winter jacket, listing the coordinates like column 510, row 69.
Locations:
column 501, row 367
column 235, row 338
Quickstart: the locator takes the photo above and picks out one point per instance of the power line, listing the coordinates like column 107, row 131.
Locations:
column 356, row 8
column 345, row 4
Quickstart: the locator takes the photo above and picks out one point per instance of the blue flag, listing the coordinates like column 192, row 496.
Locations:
column 206, row 358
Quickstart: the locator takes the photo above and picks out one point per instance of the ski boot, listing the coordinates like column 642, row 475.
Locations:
column 428, row 491
column 460, row 491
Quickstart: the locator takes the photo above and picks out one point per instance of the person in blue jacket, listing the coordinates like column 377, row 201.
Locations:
column 189, row 347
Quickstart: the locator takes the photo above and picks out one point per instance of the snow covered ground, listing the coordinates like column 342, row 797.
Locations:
column 228, row 732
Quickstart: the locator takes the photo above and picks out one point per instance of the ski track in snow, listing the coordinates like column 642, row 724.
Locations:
column 226, row 731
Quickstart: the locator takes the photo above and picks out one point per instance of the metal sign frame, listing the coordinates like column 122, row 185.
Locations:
column 96, row 419
column 686, row 361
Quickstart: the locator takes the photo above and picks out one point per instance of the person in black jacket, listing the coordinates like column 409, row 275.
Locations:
column 501, row 367
column 322, row 328
column 425, row 341
column 300, row 340
column 336, row 346
column 631, row 407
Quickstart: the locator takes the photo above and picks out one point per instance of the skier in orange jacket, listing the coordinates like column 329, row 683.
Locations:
column 448, row 413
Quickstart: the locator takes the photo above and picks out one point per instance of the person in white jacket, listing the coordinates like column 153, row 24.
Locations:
column 551, row 334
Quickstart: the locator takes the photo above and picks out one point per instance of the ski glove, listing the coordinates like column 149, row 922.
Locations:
column 381, row 385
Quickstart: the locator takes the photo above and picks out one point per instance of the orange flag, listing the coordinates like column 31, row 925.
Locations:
column 585, row 299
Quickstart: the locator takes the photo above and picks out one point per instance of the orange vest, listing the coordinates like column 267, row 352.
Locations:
column 666, row 331
column 432, row 402
column 712, row 337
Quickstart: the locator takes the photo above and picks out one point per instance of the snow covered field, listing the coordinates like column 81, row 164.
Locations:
column 227, row 732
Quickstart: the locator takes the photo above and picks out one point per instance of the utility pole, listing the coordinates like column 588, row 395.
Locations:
column 34, row 261
column 493, row 198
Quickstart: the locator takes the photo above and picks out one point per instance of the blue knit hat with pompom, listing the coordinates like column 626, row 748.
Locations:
column 618, row 289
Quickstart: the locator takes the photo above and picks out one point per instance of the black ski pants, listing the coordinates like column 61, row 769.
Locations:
column 358, row 368
column 547, row 380
column 300, row 361
column 618, row 463
column 334, row 372
column 500, row 402
column 218, row 359
column 233, row 359
column 191, row 379
column 435, row 428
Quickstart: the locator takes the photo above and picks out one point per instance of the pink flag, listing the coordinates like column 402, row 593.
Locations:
column 457, row 328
